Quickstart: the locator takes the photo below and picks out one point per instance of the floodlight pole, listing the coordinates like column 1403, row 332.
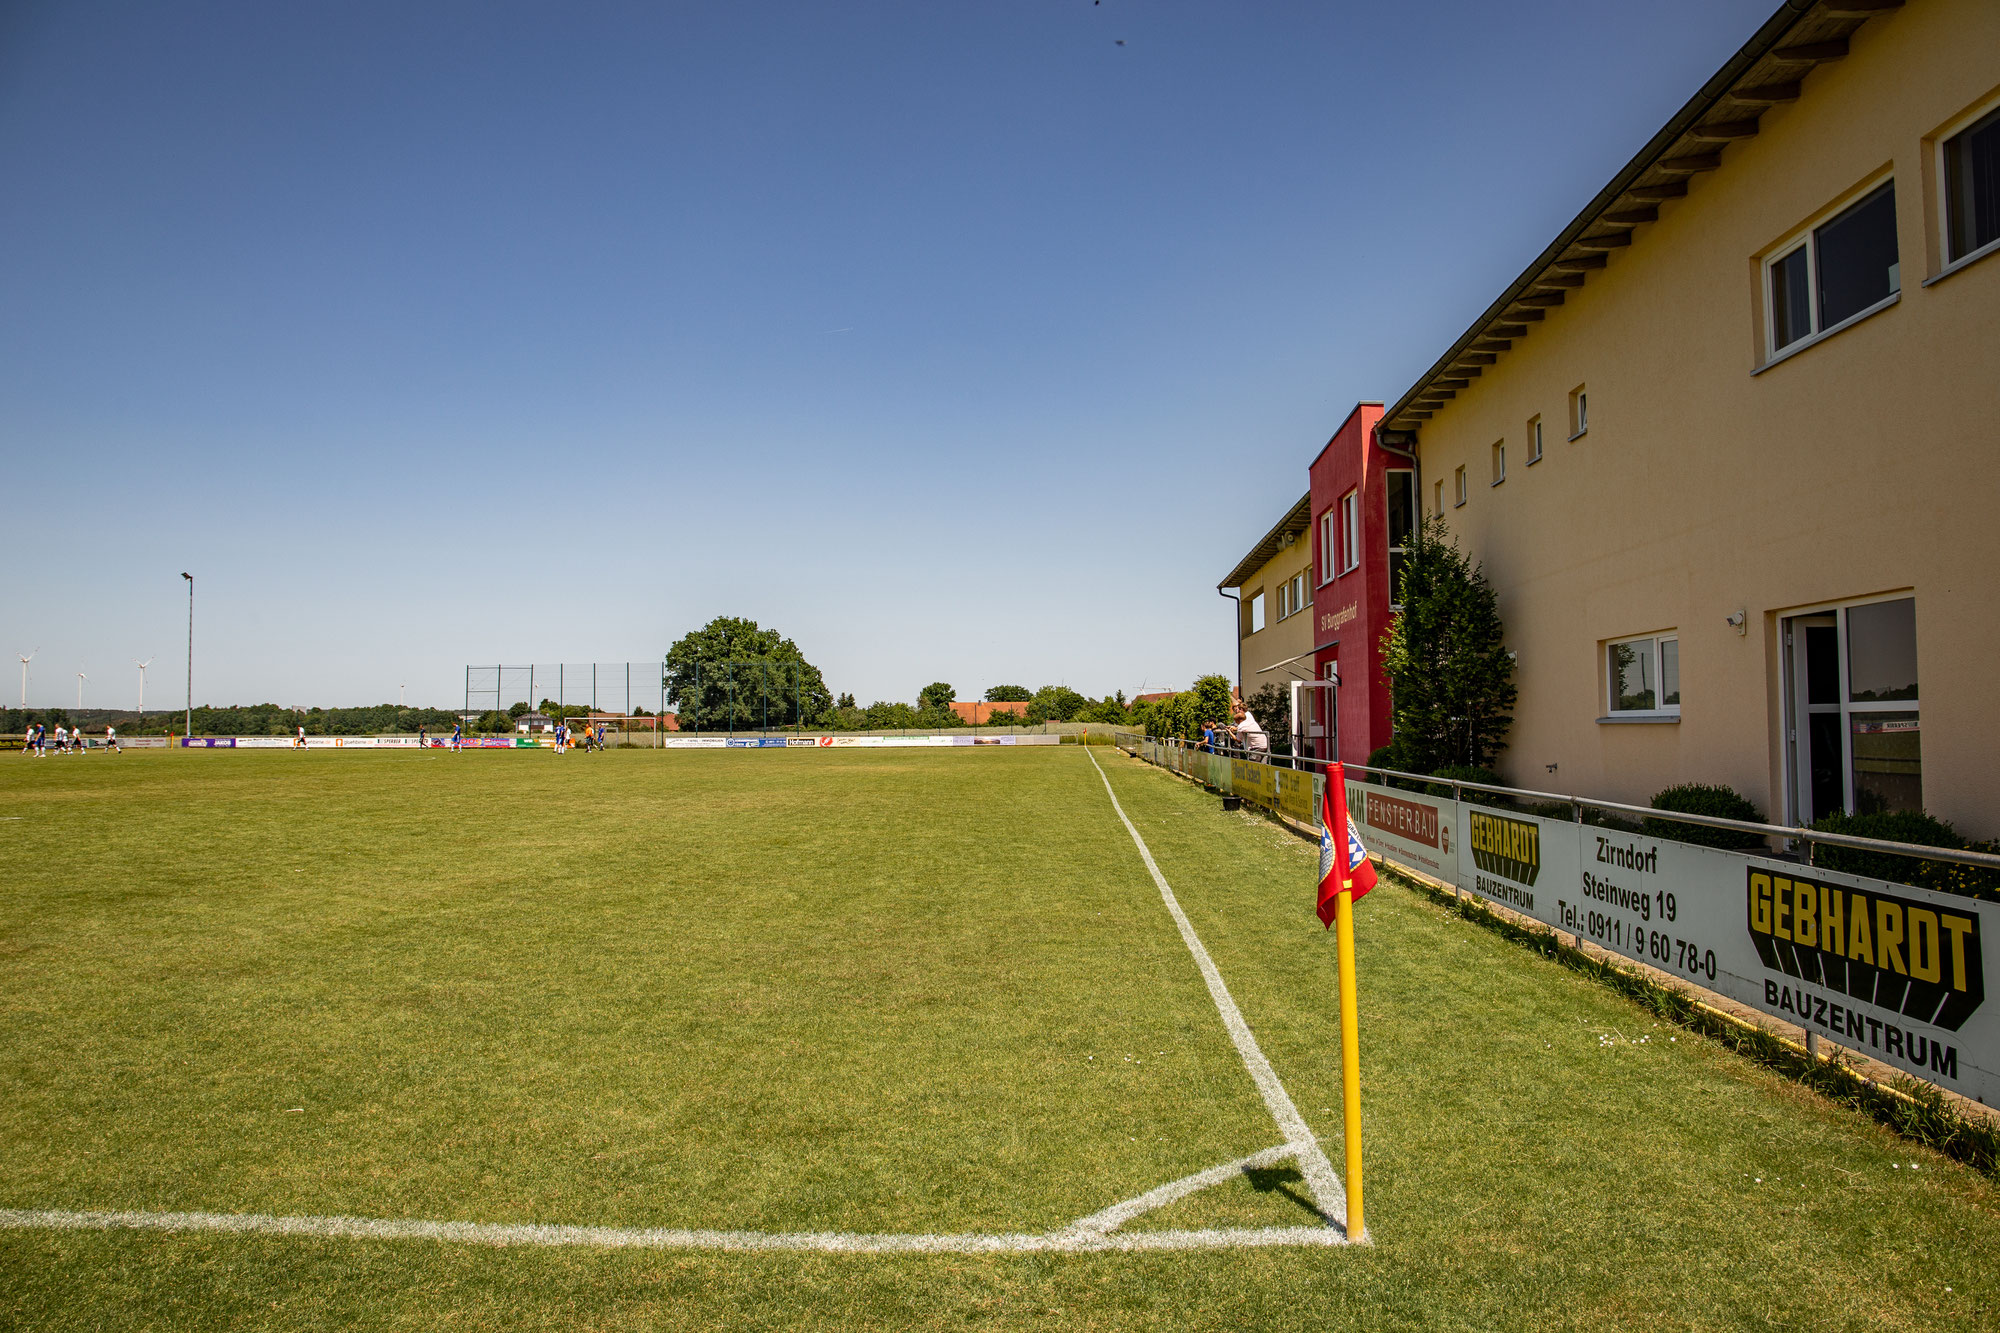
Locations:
column 190, row 674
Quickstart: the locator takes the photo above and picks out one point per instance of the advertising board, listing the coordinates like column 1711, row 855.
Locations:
column 1419, row 831
column 1898, row 973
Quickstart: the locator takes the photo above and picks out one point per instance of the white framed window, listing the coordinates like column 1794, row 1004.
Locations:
column 1969, row 185
column 1350, row 531
column 1437, row 498
column 1834, row 273
column 1326, row 552
column 1643, row 676
column 1534, row 441
column 1458, row 487
column 1499, row 462
column 1253, row 613
column 1301, row 592
column 1579, row 411
column 1402, row 525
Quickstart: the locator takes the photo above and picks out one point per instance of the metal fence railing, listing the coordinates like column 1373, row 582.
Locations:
column 1886, row 958
column 1456, row 789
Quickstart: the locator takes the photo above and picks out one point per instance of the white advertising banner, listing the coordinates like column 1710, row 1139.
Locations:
column 1895, row 972
column 1421, row 832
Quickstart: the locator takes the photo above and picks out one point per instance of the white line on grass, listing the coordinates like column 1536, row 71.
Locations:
column 1096, row 1232
column 1068, row 1240
column 1318, row 1171
column 1118, row 1214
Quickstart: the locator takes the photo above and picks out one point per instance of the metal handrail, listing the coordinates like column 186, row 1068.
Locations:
column 1918, row 851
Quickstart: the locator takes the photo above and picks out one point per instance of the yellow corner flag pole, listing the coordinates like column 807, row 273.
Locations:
column 1334, row 807
column 1350, row 1051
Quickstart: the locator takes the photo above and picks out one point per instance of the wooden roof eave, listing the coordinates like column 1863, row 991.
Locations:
column 1297, row 519
column 1766, row 71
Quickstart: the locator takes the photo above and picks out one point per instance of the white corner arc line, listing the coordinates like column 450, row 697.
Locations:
column 1313, row 1163
column 1118, row 1214
column 1066, row 1241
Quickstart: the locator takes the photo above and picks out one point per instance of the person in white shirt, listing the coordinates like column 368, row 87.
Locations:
column 111, row 739
column 299, row 741
column 62, row 739
column 1252, row 731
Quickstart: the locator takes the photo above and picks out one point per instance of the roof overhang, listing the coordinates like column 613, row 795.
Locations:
column 1296, row 521
column 1800, row 36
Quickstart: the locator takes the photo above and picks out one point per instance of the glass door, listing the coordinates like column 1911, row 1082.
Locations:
column 1812, row 643
column 1853, row 741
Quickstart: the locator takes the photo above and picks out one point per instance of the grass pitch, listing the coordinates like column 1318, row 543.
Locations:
column 895, row 991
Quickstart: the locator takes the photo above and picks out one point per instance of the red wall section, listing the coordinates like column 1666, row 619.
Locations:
column 1351, row 611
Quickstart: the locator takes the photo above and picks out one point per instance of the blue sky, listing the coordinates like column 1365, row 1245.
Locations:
column 956, row 340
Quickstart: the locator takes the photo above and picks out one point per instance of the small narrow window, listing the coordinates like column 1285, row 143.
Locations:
column 1838, row 271
column 1458, row 487
column 1579, row 411
column 1326, row 546
column 1402, row 492
column 1972, row 187
column 1350, row 531
column 1535, row 441
column 1499, row 461
column 1437, row 497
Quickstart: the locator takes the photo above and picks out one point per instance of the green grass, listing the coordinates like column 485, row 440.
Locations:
column 868, row 991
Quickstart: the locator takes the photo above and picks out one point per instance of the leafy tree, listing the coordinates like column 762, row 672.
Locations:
column 518, row 709
column 1207, row 700
column 1108, row 710
column 732, row 675
column 1055, row 703
column 1451, row 682
column 1273, row 707
column 937, row 695
column 1014, row 694
column 846, row 701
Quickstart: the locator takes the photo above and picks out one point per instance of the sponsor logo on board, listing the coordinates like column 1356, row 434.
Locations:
column 1509, row 848
column 1403, row 819
column 1921, row 960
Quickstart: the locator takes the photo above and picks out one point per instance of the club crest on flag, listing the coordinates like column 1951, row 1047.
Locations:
column 1335, row 828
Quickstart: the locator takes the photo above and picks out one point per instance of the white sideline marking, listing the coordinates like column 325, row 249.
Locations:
column 1068, row 1240
column 1094, row 1233
column 1313, row 1163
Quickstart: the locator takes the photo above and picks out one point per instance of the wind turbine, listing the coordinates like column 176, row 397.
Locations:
column 142, row 683
column 80, row 678
column 24, row 679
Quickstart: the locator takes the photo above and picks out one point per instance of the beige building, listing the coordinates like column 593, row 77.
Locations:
column 1728, row 447
column 1273, row 588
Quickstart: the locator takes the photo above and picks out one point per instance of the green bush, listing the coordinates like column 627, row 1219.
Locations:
column 1906, row 826
column 1398, row 757
column 1469, row 773
column 1697, row 798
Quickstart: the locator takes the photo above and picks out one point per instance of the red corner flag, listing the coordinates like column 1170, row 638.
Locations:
column 1335, row 830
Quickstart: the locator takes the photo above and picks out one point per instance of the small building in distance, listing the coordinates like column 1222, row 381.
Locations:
column 989, row 713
